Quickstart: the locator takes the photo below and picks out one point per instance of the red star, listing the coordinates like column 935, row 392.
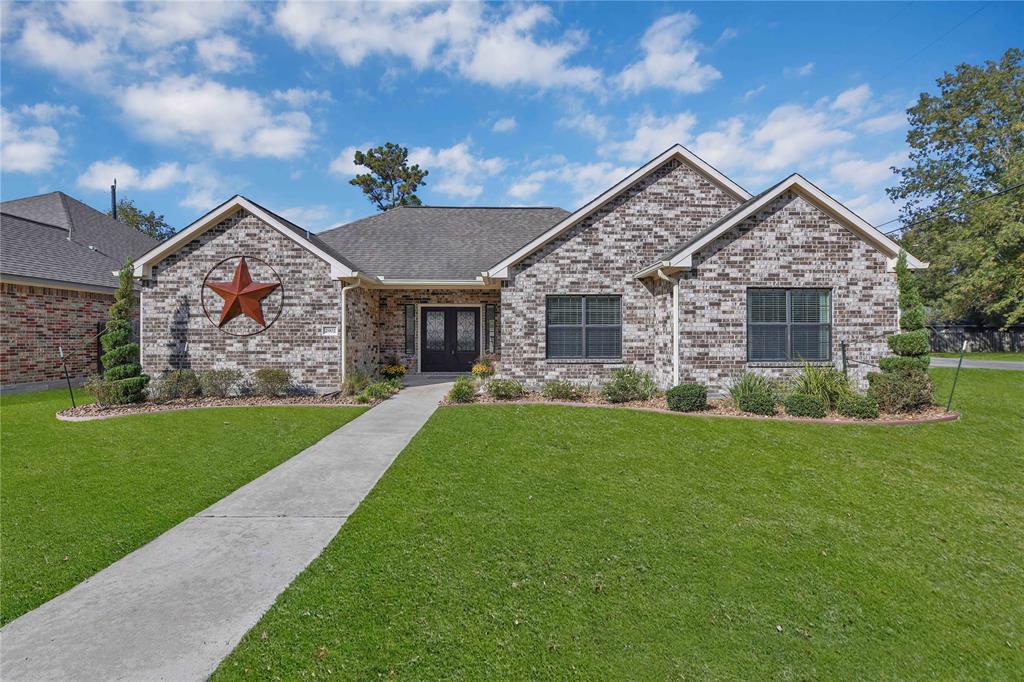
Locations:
column 242, row 295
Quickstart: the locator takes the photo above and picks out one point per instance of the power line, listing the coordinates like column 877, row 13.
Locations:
column 947, row 211
column 900, row 65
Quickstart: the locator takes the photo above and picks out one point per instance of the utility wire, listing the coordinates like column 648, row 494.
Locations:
column 901, row 64
column 951, row 210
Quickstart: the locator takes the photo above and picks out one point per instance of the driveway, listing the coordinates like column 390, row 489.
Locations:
column 978, row 364
column 174, row 608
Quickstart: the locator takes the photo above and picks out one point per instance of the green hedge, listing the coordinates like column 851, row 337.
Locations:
column 910, row 343
column 900, row 392
column 898, row 363
column 687, row 398
column 803, row 405
column 858, row 407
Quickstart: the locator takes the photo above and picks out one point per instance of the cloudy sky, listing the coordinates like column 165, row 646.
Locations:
column 512, row 104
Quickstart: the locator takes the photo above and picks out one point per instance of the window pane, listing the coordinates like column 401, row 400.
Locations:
column 465, row 327
column 565, row 342
column 603, row 310
column 810, row 305
column 435, row 330
column 410, row 329
column 766, row 305
column 565, row 309
column 810, row 342
column 766, row 342
column 604, row 342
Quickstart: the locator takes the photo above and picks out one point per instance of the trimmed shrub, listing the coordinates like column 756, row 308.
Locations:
column 217, row 383
column 271, row 382
column 913, row 319
column 464, row 391
column 132, row 369
column 125, row 391
column 356, row 380
column 178, row 383
column 899, row 363
column 901, row 392
column 628, row 384
column 804, row 405
column 559, row 389
column 824, row 382
column 754, row 393
column 858, row 407
column 505, row 389
column 687, row 398
column 910, row 343
column 911, row 307
column 123, row 378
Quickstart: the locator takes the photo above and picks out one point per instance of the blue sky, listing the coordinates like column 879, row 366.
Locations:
column 512, row 104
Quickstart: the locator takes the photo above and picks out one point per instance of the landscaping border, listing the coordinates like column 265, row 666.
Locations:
column 61, row 416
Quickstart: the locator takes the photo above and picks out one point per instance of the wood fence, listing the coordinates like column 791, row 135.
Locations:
column 947, row 338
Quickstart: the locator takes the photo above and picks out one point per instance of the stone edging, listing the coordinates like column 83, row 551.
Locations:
column 97, row 417
column 952, row 416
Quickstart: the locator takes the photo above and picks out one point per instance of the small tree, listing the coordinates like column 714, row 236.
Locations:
column 391, row 182
column 123, row 380
column 911, row 306
column 150, row 223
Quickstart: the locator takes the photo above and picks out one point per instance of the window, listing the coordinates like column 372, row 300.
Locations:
column 789, row 324
column 490, row 327
column 410, row 329
column 584, row 327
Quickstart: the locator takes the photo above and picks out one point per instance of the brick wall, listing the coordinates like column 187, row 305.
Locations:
column 176, row 333
column 34, row 321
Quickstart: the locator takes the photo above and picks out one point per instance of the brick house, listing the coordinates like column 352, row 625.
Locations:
column 57, row 257
column 676, row 270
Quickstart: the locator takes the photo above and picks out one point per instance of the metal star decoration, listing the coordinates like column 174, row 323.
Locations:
column 242, row 296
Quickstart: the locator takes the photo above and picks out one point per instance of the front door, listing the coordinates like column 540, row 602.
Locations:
column 449, row 339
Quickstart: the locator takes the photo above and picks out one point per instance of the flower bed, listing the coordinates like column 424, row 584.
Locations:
column 96, row 411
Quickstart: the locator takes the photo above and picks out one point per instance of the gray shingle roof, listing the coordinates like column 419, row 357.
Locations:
column 34, row 241
column 438, row 242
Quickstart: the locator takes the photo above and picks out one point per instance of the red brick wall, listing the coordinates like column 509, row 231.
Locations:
column 34, row 321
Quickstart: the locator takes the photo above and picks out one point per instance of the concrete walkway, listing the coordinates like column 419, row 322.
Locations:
column 174, row 608
column 978, row 364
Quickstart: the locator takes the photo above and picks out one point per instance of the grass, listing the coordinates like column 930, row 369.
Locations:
column 1011, row 357
column 544, row 542
column 75, row 497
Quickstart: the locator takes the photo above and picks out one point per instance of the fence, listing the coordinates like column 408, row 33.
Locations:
column 948, row 338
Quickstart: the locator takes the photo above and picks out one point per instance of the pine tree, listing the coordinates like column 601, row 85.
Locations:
column 122, row 377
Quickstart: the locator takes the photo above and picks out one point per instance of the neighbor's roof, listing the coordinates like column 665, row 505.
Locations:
column 34, row 242
column 438, row 242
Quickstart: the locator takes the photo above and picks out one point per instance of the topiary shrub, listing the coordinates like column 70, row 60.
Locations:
column 123, row 381
column 901, row 392
column 899, row 363
column 271, row 382
column 217, row 383
column 911, row 307
column 915, row 343
column 858, row 407
column 754, row 393
column 627, row 385
column 804, row 405
column 177, row 383
column 559, row 389
column 687, row 398
column 463, row 391
column 824, row 382
column 505, row 389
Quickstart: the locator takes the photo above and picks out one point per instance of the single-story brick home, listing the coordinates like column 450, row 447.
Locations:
column 676, row 270
column 57, row 259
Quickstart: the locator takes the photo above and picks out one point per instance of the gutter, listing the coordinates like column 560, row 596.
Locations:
column 675, row 323
column 344, row 323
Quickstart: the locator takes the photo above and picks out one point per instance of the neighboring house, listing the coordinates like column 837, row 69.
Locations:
column 677, row 271
column 57, row 258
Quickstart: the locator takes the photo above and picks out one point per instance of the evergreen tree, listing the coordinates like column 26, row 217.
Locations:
column 391, row 181
column 123, row 381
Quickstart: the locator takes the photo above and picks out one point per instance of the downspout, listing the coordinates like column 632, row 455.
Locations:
column 675, row 324
column 344, row 326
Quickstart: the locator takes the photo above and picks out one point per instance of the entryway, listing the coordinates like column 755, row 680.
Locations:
column 449, row 338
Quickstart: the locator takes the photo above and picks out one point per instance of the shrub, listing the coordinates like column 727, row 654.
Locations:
column 900, row 392
column 899, row 363
column 393, row 370
column 178, row 383
column 824, row 382
column 123, row 378
column 804, row 405
column 355, row 381
column 858, row 407
column 271, row 382
column 628, row 384
column 379, row 390
column 464, row 391
column 217, row 383
column 687, row 398
column 754, row 393
column 99, row 389
column 505, row 389
column 910, row 343
column 484, row 369
column 559, row 389
column 911, row 307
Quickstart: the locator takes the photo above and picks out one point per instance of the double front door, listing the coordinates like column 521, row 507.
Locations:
column 449, row 339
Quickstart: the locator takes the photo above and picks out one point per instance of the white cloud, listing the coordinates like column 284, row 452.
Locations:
column 101, row 174
column 885, row 123
column 587, row 123
column 55, row 52
column 232, row 120
column 316, row 217
column 670, row 58
column 504, row 125
column 853, row 101
column 728, row 33
column 298, row 98
column 791, row 134
column 455, row 170
column 47, row 112
column 874, row 208
column 753, row 92
column 343, row 163
column 27, row 149
column 585, row 180
column 799, row 71
column 862, row 174
column 651, row 136
column 222, row 54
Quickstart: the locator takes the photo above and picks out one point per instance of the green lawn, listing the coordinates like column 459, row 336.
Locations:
column 75, row 497
column 542, row 542
column 1012, row 357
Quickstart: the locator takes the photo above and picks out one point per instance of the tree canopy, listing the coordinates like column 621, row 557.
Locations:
column 147, row 223
column 391, row 180
column 966, row 147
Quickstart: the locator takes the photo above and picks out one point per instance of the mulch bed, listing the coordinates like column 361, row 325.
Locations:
column 94, row 411
column 721, row 408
